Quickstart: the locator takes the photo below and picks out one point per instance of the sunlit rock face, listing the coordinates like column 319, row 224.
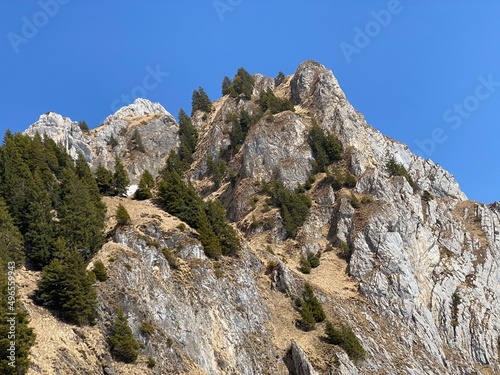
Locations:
column 421, row 287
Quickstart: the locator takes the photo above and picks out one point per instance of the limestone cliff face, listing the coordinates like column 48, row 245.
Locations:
column 420, row 290
column 157, row 128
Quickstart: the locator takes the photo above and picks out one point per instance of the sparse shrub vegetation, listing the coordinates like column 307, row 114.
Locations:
column 326, row 148
column 147, row 328
column 269, row 101
column 151, row 362
column 340, row 178
column 355, row 203
column 112, row 142
column 304, row 265
column 314, row 259
column 308, row 262
column 426, row 196
column 345, row 252
column 294, row 207
column 344, row 337
column 100, row 271
column 271, row 266
column 310, row 309
column 397, row 169
column 455, row 301
column 135, row 142
column 216, row 169
column 171, row 258
column 365, row 199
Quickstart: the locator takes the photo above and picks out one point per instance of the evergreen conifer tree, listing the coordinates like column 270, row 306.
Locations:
column 104, row 180
column 188, row 136
column 120, row 178
column 66, row 286
column 81, row 216
column 40, row 225
column 124, row 346
column 226, row 86
column 200, row 101
column 122, row 216
column 146, row 183
column 11, row 241
column 228, row 238
column 135, row 142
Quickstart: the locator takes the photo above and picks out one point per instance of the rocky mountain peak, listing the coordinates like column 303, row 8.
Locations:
column 140, row 107
column 402, row 256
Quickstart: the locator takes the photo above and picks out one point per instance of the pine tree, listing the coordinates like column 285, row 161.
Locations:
column 325, row 146
column 124, row 346
column 308, row 321
column 200, row 101
column 16, row 180
column 41, row 228
column 11, row 241
column 188, row 137
column 226, row 86
column 66, row 286
column 146, row 183
column 228, row 237
column 104, row 180
column 100, row 271
column 207, row 236
column 81, row 215
column 242, row 84
column 122, row 216
column 135, row 142
column 312, row 301
column 83, row 126
column 120, row 178
column 279, row 78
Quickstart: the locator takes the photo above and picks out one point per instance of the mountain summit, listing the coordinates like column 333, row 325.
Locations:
column 329, row 212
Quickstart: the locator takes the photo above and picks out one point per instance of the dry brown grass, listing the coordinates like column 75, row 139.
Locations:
column 365, row 212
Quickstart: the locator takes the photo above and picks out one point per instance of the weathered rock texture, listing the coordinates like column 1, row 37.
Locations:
column 157, row 128
column 421, row 288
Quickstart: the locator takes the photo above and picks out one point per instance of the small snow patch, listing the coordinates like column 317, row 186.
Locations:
column 131, row 189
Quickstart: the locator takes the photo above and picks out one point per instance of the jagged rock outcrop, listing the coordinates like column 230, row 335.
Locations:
column 419, row 287
column 157, row 128
column 209, row 317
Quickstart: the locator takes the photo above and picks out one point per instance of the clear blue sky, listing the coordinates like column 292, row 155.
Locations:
column 421, row 69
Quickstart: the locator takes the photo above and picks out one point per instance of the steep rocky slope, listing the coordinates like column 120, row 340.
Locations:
column 420, row 289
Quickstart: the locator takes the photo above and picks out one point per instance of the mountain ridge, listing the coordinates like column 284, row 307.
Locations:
column 415, row 242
